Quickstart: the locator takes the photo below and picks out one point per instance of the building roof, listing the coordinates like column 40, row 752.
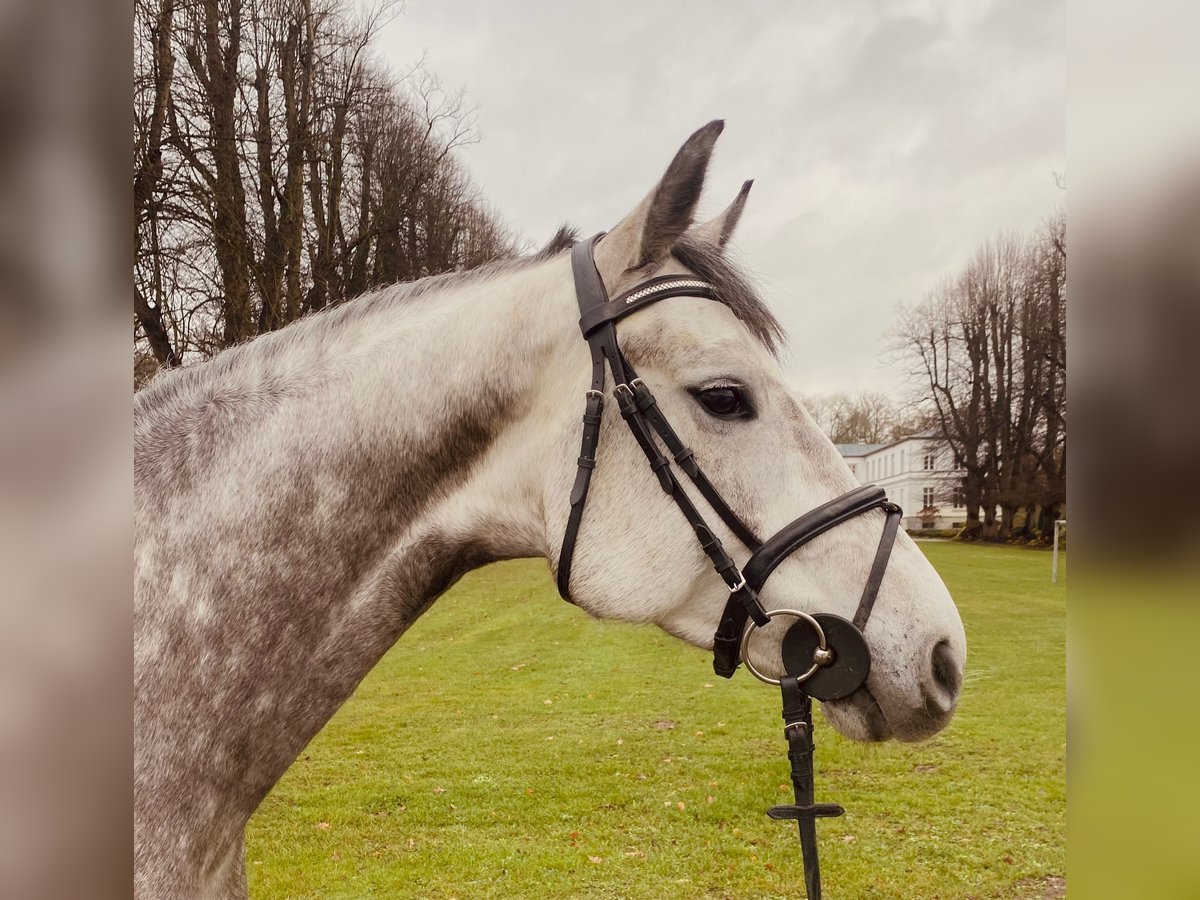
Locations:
column 858, row 449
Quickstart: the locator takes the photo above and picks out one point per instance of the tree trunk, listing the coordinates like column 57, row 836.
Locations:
column 219, row 76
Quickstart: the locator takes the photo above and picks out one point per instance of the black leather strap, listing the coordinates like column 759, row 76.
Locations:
column 883, row 553
column 642, row 295
column 597, row 321
column 589, row 291
column 812, row 524
column 709, row 542
column 797, row 716
column 686, row 460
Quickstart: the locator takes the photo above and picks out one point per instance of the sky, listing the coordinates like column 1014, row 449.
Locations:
column 886, row 140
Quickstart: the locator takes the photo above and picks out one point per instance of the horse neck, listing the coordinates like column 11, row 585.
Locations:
column 399, row 406
column 302, row 499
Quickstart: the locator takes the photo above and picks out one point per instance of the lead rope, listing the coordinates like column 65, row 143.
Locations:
column 797, row 728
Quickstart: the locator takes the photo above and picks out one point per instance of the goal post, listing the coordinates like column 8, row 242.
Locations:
column 1060, row 526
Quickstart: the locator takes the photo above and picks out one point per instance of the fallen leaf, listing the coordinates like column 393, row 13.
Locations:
column 636, row 854
column 708, row 799
column 664, row 724
column 849, row 839
column 547, row 702
column 596, row 859
column 324, row 826
column 439, row 790
column 681, row 804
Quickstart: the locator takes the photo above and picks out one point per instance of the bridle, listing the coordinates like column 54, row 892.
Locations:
column 825, row 655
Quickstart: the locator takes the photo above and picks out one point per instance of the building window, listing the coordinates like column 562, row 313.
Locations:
column 927, row 462
column 959, row 501
column 927, row 498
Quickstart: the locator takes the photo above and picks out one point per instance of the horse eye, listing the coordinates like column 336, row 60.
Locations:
column 724, row 402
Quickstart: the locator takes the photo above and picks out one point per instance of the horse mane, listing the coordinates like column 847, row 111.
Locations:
column 734, row 288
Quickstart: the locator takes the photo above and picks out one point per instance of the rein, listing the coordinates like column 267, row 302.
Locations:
column 825, row 655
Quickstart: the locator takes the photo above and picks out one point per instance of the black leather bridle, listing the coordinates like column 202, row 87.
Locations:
column 825, row 655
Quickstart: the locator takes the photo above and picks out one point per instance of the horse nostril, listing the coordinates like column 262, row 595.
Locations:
column 946, row 673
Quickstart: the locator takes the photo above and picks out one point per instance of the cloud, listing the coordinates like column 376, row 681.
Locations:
column 886, row 140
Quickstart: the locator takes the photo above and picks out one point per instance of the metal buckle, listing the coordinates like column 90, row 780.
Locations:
column 599, row 395
column 821, row 657
column 628, row 389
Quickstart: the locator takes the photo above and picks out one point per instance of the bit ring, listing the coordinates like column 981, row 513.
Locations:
column 822, row 655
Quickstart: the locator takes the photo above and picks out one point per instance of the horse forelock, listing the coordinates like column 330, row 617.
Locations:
column 734, row 287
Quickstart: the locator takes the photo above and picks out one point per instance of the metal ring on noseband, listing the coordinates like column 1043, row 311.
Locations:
column 822, row 655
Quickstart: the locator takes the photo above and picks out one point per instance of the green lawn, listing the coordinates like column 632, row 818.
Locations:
column 509, row 746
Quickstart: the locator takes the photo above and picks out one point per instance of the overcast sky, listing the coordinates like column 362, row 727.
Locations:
column 886, row 140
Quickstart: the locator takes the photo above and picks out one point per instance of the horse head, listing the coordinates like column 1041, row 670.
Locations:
column 714, row 372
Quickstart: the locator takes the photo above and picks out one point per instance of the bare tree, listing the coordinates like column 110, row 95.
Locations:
column 280, row 169
column 869, row 417
column 986, row 353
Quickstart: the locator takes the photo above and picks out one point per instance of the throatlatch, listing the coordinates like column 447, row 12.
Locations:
column 825, row 656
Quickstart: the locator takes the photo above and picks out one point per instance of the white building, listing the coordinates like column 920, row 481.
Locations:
column 918, row 473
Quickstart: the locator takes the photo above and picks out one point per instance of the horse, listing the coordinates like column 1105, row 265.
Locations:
column 303, row 498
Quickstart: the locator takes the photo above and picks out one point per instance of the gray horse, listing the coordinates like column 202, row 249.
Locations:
column 303, row 498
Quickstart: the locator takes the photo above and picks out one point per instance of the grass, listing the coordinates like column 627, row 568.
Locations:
column 509, row 746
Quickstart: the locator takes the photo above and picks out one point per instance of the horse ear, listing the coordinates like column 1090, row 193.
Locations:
column 716, row 231
column 646, row 235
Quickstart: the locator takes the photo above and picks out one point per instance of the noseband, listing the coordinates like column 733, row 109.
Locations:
column 825, row 655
